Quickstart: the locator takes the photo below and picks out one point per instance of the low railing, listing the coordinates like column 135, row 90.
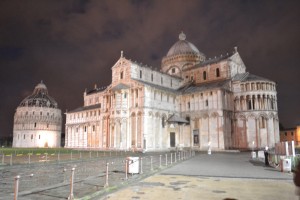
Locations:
column 92, row 174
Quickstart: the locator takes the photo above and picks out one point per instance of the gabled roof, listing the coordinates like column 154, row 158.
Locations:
column 120, row 86
column 176, row 119
column 85, row 108
column 248, row 77
column 155, row 86
column 96, row 90
column 205, row 86
column 212, row 61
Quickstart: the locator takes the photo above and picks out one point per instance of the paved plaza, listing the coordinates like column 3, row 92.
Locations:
column 216, row 176
column 213, row 177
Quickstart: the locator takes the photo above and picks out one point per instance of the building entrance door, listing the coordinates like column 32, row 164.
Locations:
column 172, row 139
column 196, row 137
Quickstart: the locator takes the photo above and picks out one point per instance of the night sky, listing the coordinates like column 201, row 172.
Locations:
column 72, row 44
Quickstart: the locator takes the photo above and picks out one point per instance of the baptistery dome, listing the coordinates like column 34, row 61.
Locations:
column 37, row 120
column 39, row 98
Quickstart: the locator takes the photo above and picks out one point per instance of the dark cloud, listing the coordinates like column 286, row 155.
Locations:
column 71, row 45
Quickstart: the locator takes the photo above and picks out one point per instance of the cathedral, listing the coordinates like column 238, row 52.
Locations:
column 190, row 102
column 37, row 120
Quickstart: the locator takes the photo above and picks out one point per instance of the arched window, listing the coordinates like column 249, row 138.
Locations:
column 249, row 105
column 262, row 122
column 217, row 72
column 121, row 75
column 204, row 75
column 188, row 119
column 141, row 74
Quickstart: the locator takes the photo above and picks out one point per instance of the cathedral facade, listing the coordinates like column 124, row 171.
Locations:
column 191, row 102
column 37, row 120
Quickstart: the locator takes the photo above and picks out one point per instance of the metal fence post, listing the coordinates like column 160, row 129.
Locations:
column 159, row 160
column 141, row 165
column 17, row 178
column 3, row 159
column 28, row 158
column 71, row 155
column 106, row 180
column 171, row 158
column 175, row 157
column 126, row 168
column 10, row 161
column 151, row 163
column 71, row 196
column 166, row 159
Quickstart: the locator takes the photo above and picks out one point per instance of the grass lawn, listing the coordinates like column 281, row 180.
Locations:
column 26, row 151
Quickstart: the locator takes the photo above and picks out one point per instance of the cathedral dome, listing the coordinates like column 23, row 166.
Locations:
column 39, row 98
column 181, row 56
column 183, row 47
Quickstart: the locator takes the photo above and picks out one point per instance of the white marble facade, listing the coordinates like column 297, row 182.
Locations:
column 191, row 101
column 37, row 120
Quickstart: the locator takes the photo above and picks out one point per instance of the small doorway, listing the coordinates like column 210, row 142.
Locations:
column 196, row 137
column 172, row 139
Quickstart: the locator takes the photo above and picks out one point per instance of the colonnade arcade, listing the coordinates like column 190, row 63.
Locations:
column 255, row 102
column 255, row 130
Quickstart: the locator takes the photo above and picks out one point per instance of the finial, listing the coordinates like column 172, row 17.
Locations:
column 95, row 86
column 121, row 54
column 182, row 36
column 235, row 49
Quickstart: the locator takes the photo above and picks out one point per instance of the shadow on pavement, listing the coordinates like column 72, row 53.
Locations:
column 257, row 163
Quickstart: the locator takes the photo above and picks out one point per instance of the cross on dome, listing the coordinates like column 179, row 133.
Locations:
column 182, row 36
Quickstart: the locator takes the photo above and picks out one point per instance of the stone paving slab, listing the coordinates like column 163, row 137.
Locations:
column 232, row 165
column 209, row 188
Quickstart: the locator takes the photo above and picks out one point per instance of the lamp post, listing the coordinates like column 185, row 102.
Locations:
column 209, row 149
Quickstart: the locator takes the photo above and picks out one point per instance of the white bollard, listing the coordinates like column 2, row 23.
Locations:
column 287, row 153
